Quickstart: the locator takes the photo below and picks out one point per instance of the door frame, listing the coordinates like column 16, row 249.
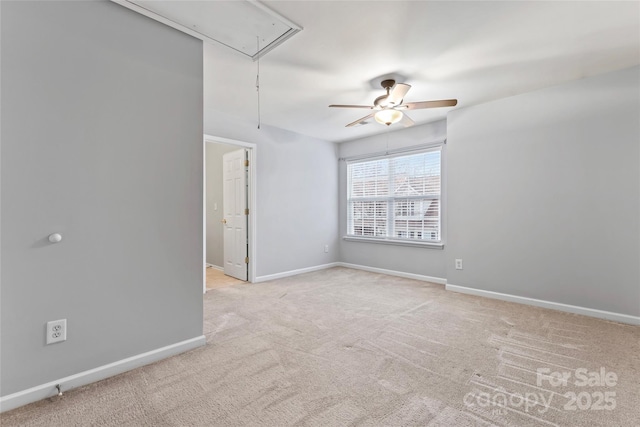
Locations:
column 252, row 150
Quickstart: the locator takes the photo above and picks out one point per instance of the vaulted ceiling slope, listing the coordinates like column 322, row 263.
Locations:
column 472, row 51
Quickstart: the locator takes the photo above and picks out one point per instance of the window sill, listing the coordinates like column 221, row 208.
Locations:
column 398, row 242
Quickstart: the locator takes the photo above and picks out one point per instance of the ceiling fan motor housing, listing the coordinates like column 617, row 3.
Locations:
column 387, row 85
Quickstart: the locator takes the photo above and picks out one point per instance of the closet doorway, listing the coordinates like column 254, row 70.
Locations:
column 229, row 212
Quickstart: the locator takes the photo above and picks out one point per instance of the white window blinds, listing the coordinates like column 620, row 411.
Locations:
column 395, row 197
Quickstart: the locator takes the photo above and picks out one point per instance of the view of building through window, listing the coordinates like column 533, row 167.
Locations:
column 395, row 197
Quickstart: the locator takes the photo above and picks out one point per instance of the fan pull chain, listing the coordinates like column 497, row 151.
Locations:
column 258, row 78
column 387, row 153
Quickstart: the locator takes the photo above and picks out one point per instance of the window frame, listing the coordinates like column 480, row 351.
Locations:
column 392, row 200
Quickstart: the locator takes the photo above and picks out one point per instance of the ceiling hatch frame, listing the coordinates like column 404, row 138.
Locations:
column 190, row 26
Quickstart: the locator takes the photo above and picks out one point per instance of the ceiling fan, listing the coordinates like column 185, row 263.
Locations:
column 390, row 107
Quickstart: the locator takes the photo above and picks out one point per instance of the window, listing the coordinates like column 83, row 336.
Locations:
column 395, row 197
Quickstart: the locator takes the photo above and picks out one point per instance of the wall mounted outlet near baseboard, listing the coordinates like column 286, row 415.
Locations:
column 56, row 331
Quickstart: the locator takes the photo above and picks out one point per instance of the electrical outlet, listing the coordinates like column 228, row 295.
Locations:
column 458, row 264
column 326, row 249
column 56, row 331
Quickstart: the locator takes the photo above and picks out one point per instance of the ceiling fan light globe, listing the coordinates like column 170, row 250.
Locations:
column 388, row 117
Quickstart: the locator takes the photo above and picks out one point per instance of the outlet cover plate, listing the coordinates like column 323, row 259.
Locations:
column 56, row 331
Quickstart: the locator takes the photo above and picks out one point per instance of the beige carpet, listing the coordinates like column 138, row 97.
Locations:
column 217, row 279
column 342, row 347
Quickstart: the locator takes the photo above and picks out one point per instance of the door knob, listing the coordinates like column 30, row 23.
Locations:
column 224, row 221
column 55, row 237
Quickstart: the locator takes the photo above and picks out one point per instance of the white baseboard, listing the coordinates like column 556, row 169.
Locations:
column 592, row 312
column 217, row 267
column 601, row 314
column 295, row 272
column 421, row 277
column 44, row 391
column 431, row 279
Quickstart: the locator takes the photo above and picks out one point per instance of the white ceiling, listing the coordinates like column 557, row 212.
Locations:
column 473, row 51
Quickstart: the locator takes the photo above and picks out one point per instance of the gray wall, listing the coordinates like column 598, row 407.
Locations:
column 102, row 142
column 544, row 194
column 213, row 197
column 417, row 260
column 297, row 194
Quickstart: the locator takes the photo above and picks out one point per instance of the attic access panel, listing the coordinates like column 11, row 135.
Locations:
column 235, row 24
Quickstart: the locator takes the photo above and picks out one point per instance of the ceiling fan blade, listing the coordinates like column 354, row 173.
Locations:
column 406, row 121
column 398, row 92
column 369, row 107
column 360, row 120
column 431, row 104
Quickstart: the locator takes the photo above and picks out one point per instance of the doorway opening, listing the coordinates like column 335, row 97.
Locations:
column 229, row 212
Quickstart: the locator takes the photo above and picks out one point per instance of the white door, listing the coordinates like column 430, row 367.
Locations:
column 234, row 198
